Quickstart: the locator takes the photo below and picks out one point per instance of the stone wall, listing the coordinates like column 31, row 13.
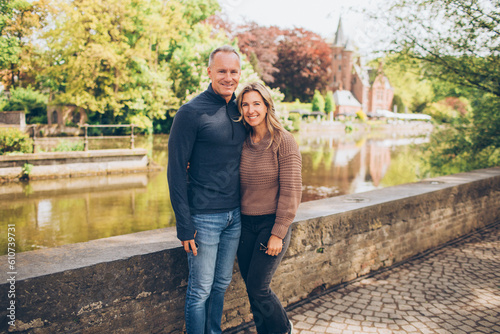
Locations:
column 13, row 119
column 49, row 165
column 136, row 283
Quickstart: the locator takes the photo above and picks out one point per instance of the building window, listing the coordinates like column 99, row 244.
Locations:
column 340, row 56
column 380, row 94
column 54, row 117
column 77, row 117
column 334, row 78
column 340, row 68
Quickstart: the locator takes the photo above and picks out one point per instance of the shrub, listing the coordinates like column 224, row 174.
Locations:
column 26, row 99
column 441, row 112
column 449, row 110
column 26, row 171
column 296, row 119
column 318, row 102
column 4, row 102
column 14, row 141
column 38, row 119
column 297, row 105
column 69, row 146
column 360, row 114
column 329, row 102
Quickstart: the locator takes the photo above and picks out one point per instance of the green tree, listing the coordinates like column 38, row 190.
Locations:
column 19, row 21
column 9, row 44
column 107, row 56
column 329, row 102
column 26, row 99
column 188, row 61
column 410, row 86
column 456, row 43
column 398, row 103
column 318, row 102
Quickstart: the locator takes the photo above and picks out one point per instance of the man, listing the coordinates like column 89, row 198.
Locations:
column 206, row 196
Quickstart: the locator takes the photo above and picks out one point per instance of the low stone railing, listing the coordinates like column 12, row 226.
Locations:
column 48, row 165
column 136, row 283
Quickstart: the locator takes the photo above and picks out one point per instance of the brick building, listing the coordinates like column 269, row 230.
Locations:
column 369, row 87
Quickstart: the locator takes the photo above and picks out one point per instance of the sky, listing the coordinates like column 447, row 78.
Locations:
column 319, row 16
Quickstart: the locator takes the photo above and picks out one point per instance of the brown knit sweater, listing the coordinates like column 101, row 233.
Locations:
column 271, row 180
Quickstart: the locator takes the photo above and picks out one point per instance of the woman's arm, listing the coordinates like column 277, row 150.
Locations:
column 290, row 184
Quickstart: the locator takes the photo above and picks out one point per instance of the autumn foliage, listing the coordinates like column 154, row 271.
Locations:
column 297, row 61
column 304, row 64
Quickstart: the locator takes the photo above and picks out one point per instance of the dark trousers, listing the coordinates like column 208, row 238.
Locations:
column 257, row 269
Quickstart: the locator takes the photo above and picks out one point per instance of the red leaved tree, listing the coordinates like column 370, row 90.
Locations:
column 260, row 45
column 304, row 64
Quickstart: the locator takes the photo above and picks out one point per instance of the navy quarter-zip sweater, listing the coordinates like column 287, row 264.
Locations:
column 205, row 133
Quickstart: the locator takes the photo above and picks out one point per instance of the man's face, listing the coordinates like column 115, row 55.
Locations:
column 225, row 74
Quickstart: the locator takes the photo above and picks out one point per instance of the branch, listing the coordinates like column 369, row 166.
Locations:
column 477, row 9
column 481, row 23
column 439, row 60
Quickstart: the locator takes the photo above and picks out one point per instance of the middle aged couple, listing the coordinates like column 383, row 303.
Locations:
column 234, row 175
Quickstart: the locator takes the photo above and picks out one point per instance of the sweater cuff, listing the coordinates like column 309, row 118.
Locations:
column 280, row 230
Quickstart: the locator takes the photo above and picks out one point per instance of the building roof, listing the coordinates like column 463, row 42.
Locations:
column 342, row 39
column 345, row 98
column 373, row 74
column 363, row 74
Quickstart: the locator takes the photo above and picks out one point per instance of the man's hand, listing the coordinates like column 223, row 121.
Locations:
column 190, row 245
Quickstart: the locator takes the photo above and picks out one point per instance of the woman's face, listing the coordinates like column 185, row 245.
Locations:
column 254, row 109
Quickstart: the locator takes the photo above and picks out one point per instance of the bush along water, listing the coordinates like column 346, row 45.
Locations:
column 14, row 141
column 69, row 146
column 26, row 171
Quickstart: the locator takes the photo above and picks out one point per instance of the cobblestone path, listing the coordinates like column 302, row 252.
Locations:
column 455, row 289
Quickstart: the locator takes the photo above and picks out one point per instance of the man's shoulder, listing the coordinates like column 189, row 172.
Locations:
column 199, row 103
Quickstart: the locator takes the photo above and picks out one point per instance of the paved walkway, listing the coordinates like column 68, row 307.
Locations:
column 455, row 289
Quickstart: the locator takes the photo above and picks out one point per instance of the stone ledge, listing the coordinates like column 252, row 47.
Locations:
column 74, row 256
column 41, row 262
column 75, row 164
column 340, row 204
column 51, row 158
column 136, row 283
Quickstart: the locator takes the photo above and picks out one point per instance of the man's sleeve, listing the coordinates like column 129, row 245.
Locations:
column 180, row 145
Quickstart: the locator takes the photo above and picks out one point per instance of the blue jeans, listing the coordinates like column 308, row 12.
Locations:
column 257, row 269
column 211, row 271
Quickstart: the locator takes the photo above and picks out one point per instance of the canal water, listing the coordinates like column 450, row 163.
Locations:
column 50, row 213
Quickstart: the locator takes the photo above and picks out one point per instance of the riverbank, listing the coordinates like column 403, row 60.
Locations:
column 339, row 129
column 115, row 204
column 52, row 165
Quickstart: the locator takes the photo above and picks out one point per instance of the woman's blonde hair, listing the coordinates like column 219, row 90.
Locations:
column 272, row 121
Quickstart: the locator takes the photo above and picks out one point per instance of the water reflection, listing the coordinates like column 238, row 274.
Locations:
column 49, row 213
column 350, row 165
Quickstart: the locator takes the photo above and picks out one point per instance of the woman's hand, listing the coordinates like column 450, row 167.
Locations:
column 274, row 245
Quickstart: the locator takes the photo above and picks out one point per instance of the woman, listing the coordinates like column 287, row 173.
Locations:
column 271, row 189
